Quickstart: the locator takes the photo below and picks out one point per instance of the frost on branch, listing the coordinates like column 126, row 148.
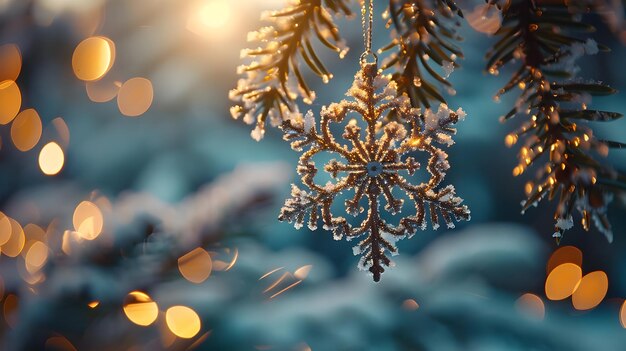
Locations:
column 557, row 133
column 425, row 36
column 372, row 164
column 273, row 81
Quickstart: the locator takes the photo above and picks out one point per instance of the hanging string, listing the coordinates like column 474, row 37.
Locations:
column 367, row 21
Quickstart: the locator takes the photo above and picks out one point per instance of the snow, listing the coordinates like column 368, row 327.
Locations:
column 343, row 47
column 235, row 111
column 309, row 121
column 446, row 197
column 248, row 118
column 380, row 82
column 448, row 68
column 462, row 114
column 565, row 223
column 257, row 133
column 445, row 139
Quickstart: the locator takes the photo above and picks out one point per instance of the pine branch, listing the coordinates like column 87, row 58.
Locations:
column 545, row 39
column 426, row 32
column 274, row 81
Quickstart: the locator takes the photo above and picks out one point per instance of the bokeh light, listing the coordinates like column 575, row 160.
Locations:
column 59, row 343
column 1, row 288
column 5, row 228
column 9, row 309
column 302, row 272
column 167, row 337
column 140, row 309
column 51, row 159
column 36, row 256
column 26, row 130
column 15, row 244
column 10, row 101
column 88, row 220
column 183, row 321
column 69, row 239
column 221, row 263
column 622, row 314
column 284, row 282
column 531, row 305
column 62, row 131
column 102, row 90
column 410, row 305
column 93, row 58
column 591, row 291
column 563, row 281
column 135, row 97
column 209, row 16
column 195, row 265
column 484, row 18
column 10, row 62
column 33, row 233
column 216, row 13
column 565, row 254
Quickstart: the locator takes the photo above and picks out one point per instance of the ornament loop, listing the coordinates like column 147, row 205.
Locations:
column 368, row 57
column 367, row 17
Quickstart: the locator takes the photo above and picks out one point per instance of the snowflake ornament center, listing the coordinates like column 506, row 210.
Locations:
column 374, row 169
column 376, row 163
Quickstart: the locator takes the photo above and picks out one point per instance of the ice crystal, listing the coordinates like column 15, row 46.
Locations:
column 372, row 167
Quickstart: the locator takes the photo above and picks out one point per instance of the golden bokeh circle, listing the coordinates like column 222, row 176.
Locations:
column 10, row 101
column 183, row 321
column 135, row 97
column 26, row 130
column 51, row 159
column 93, row 58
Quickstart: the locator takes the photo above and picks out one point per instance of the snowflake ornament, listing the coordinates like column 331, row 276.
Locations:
column 372, row 167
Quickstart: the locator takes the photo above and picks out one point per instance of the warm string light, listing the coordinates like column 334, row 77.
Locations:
column 93, row 58
column 183, row 321
column 88, row 220
column 565, row 279
column 26, row 130
column 410, row 305
column 224, row 259
column 51, row 159
column 196, row 265
column 10, row 62
column 140, row 309
column 27, row 245
column 280, row 283
column 531, row 305
column 135, row 97
column 211, row 19
column 10, row 101
column 26, row 126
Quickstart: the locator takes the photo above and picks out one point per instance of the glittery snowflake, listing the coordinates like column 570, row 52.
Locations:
column 373, row 166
